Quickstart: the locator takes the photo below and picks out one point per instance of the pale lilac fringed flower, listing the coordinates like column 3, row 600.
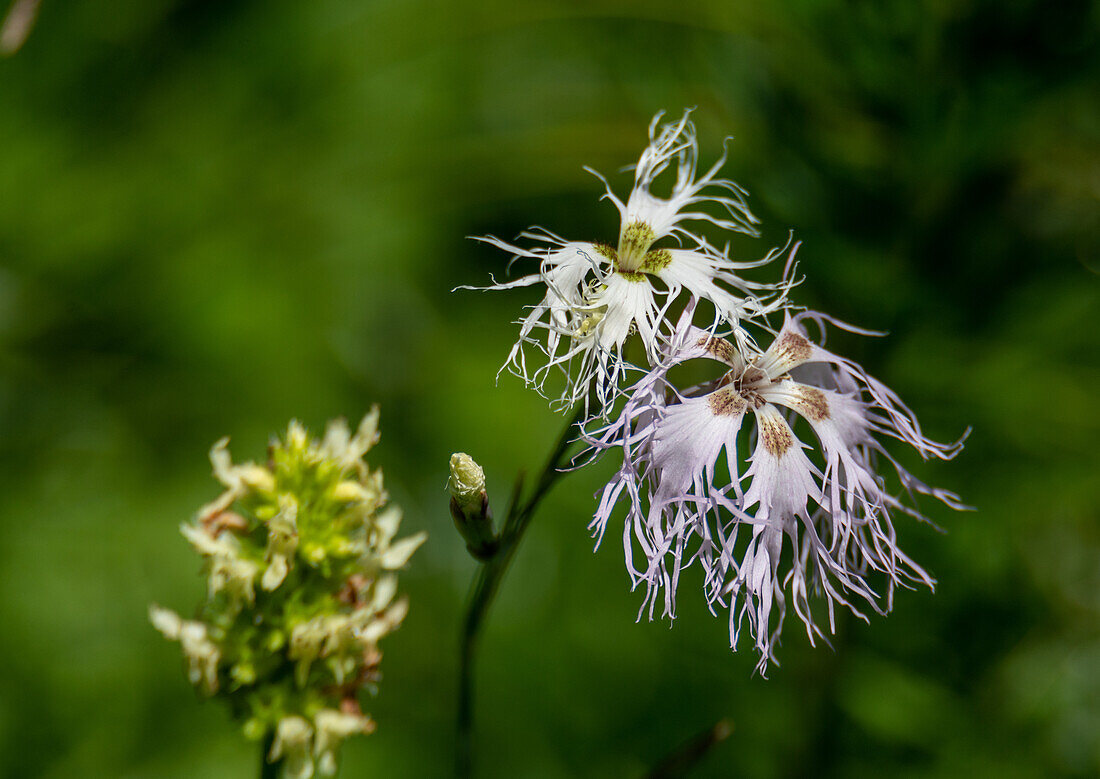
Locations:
column 597, row 295
column 835, row 509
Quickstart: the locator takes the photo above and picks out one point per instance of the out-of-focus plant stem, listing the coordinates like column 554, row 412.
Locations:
column 688, row 754
column 487, row 582
column 268, row 770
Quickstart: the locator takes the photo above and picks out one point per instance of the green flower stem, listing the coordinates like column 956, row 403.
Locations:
column 688, row 754
column 268, row 770
column 487, row 582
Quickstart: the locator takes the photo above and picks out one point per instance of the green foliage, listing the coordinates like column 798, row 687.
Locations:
column 218, row 216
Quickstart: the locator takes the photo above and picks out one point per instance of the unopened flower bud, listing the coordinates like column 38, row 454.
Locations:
column 257, row 477
column 347, row 491
column 467, row 482
column 470, row 506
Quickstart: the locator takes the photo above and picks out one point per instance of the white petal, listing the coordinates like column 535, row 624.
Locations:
column 166, row 621
column 628, row 303
column 782, row 476
column 387, row 522
column 696, row 272
column 898, row 420
column 398, row 554
column 690, row 437
column 676, row 142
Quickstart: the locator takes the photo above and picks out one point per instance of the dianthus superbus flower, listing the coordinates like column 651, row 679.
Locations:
column 822, row 497
column 598, row 294
column 300, row 558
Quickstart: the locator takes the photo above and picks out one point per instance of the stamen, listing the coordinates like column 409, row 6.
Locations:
column 813, row 403
column 634, row 242
column 775, row 434
column 656, row 260
column 720, row 348
column 726, row 402
column 793, row 348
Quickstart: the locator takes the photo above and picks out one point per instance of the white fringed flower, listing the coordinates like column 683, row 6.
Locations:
column 835, row 509
column 597, row 294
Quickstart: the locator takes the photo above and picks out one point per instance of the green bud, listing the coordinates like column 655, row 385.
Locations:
column 348, row 491
column 467, row 482
column 254, row 728
column 242, row 674
column 470, row 506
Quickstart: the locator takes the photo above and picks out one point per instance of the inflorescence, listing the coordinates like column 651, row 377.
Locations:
column 300, row 556
column 769, row 476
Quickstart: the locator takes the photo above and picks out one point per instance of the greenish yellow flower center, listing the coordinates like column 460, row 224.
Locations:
column 656, row 260
column 651, row 262
column 634, row 242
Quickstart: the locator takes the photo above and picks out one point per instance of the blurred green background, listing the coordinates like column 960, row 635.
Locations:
column 216, row 216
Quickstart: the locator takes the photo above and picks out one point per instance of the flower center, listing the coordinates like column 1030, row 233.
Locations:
column 746, row 384
column 631, row 267
column 634, row 242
